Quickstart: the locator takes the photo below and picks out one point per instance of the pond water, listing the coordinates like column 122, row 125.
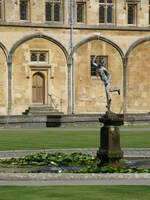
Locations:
column 138, row 162
column 47, row 169
column 130, row 162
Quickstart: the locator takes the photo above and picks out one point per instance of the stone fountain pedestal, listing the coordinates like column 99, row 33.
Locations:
column 110, row 150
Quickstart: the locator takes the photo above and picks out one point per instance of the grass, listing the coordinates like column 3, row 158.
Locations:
column 75, row 193
column 20, row 139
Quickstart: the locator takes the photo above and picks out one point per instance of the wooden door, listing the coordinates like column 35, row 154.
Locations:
column 38, row 88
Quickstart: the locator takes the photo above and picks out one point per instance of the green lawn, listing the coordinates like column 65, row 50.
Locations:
column 17, row 139
column 75, row 193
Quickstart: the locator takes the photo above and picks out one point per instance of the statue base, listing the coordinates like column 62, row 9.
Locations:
column 110, row 150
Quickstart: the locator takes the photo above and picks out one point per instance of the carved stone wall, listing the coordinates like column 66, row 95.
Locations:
column 90, row 93
column 3, row 83
column 120, row 42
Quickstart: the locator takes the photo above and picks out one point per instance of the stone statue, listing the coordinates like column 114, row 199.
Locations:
column 106, row 78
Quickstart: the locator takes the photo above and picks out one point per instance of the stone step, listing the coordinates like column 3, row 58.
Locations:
column 44, row 113
column 41, row 110
column 49, row 109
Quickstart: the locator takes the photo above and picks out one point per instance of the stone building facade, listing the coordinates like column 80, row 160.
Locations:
column 36, row 61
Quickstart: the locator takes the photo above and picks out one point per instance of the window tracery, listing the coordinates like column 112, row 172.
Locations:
column 53, row 10
column 106, row 11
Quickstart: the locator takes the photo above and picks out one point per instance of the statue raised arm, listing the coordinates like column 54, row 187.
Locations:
column 94, row 61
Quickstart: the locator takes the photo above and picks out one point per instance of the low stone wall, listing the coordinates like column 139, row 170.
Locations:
column 134, row 118
column 83, row 120
column 21, row 121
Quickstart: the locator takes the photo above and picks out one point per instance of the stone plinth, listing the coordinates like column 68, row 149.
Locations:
column 110, row 150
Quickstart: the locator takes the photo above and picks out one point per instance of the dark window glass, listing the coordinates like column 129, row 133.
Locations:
column 0, row 9
column 23, row 10
column 149, row 15
column 109, row 14
column 106, row 11
column 56, row 12
column 33, row 56
column 42, row 57
column 48, row 11
column 94, row 70
column 80, row 12
column 101, row 14
column 131, row 14
column 53, row 11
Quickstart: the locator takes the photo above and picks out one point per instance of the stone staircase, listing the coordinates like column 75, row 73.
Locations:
column 41, row 110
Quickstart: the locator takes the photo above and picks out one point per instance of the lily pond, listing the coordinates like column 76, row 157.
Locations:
column 70, row 163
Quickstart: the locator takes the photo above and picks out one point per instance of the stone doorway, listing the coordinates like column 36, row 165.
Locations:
column 38, row 88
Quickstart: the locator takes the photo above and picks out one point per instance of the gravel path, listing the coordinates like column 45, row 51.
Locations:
column 79, row 182
column 73, row 179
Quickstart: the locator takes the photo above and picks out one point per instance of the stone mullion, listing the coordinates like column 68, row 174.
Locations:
column 52, row 11
column 106, row 6
column 62, row 8
column 124, row 84
column 69, row 67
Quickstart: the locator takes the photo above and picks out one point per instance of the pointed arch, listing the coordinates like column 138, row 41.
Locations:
column 32, row 36
column 4, row 50
column 39, row 74
column 132, row 62
column 12, row 51
column 97, row 37
column 112, row 49
column 134, row 45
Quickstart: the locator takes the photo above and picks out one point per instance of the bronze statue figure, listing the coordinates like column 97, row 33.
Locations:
column 106, row 78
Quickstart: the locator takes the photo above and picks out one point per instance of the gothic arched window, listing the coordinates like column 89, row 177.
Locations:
column 109, row 14
column 102, row 14
column 131, row 14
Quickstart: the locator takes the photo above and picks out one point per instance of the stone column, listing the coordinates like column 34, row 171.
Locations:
column 69, row 65
column 9, row 64
column 124, row 83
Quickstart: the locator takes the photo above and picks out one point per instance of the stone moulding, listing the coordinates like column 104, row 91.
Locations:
column 4, row 50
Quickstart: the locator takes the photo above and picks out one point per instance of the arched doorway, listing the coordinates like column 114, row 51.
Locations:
column 38, row 88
